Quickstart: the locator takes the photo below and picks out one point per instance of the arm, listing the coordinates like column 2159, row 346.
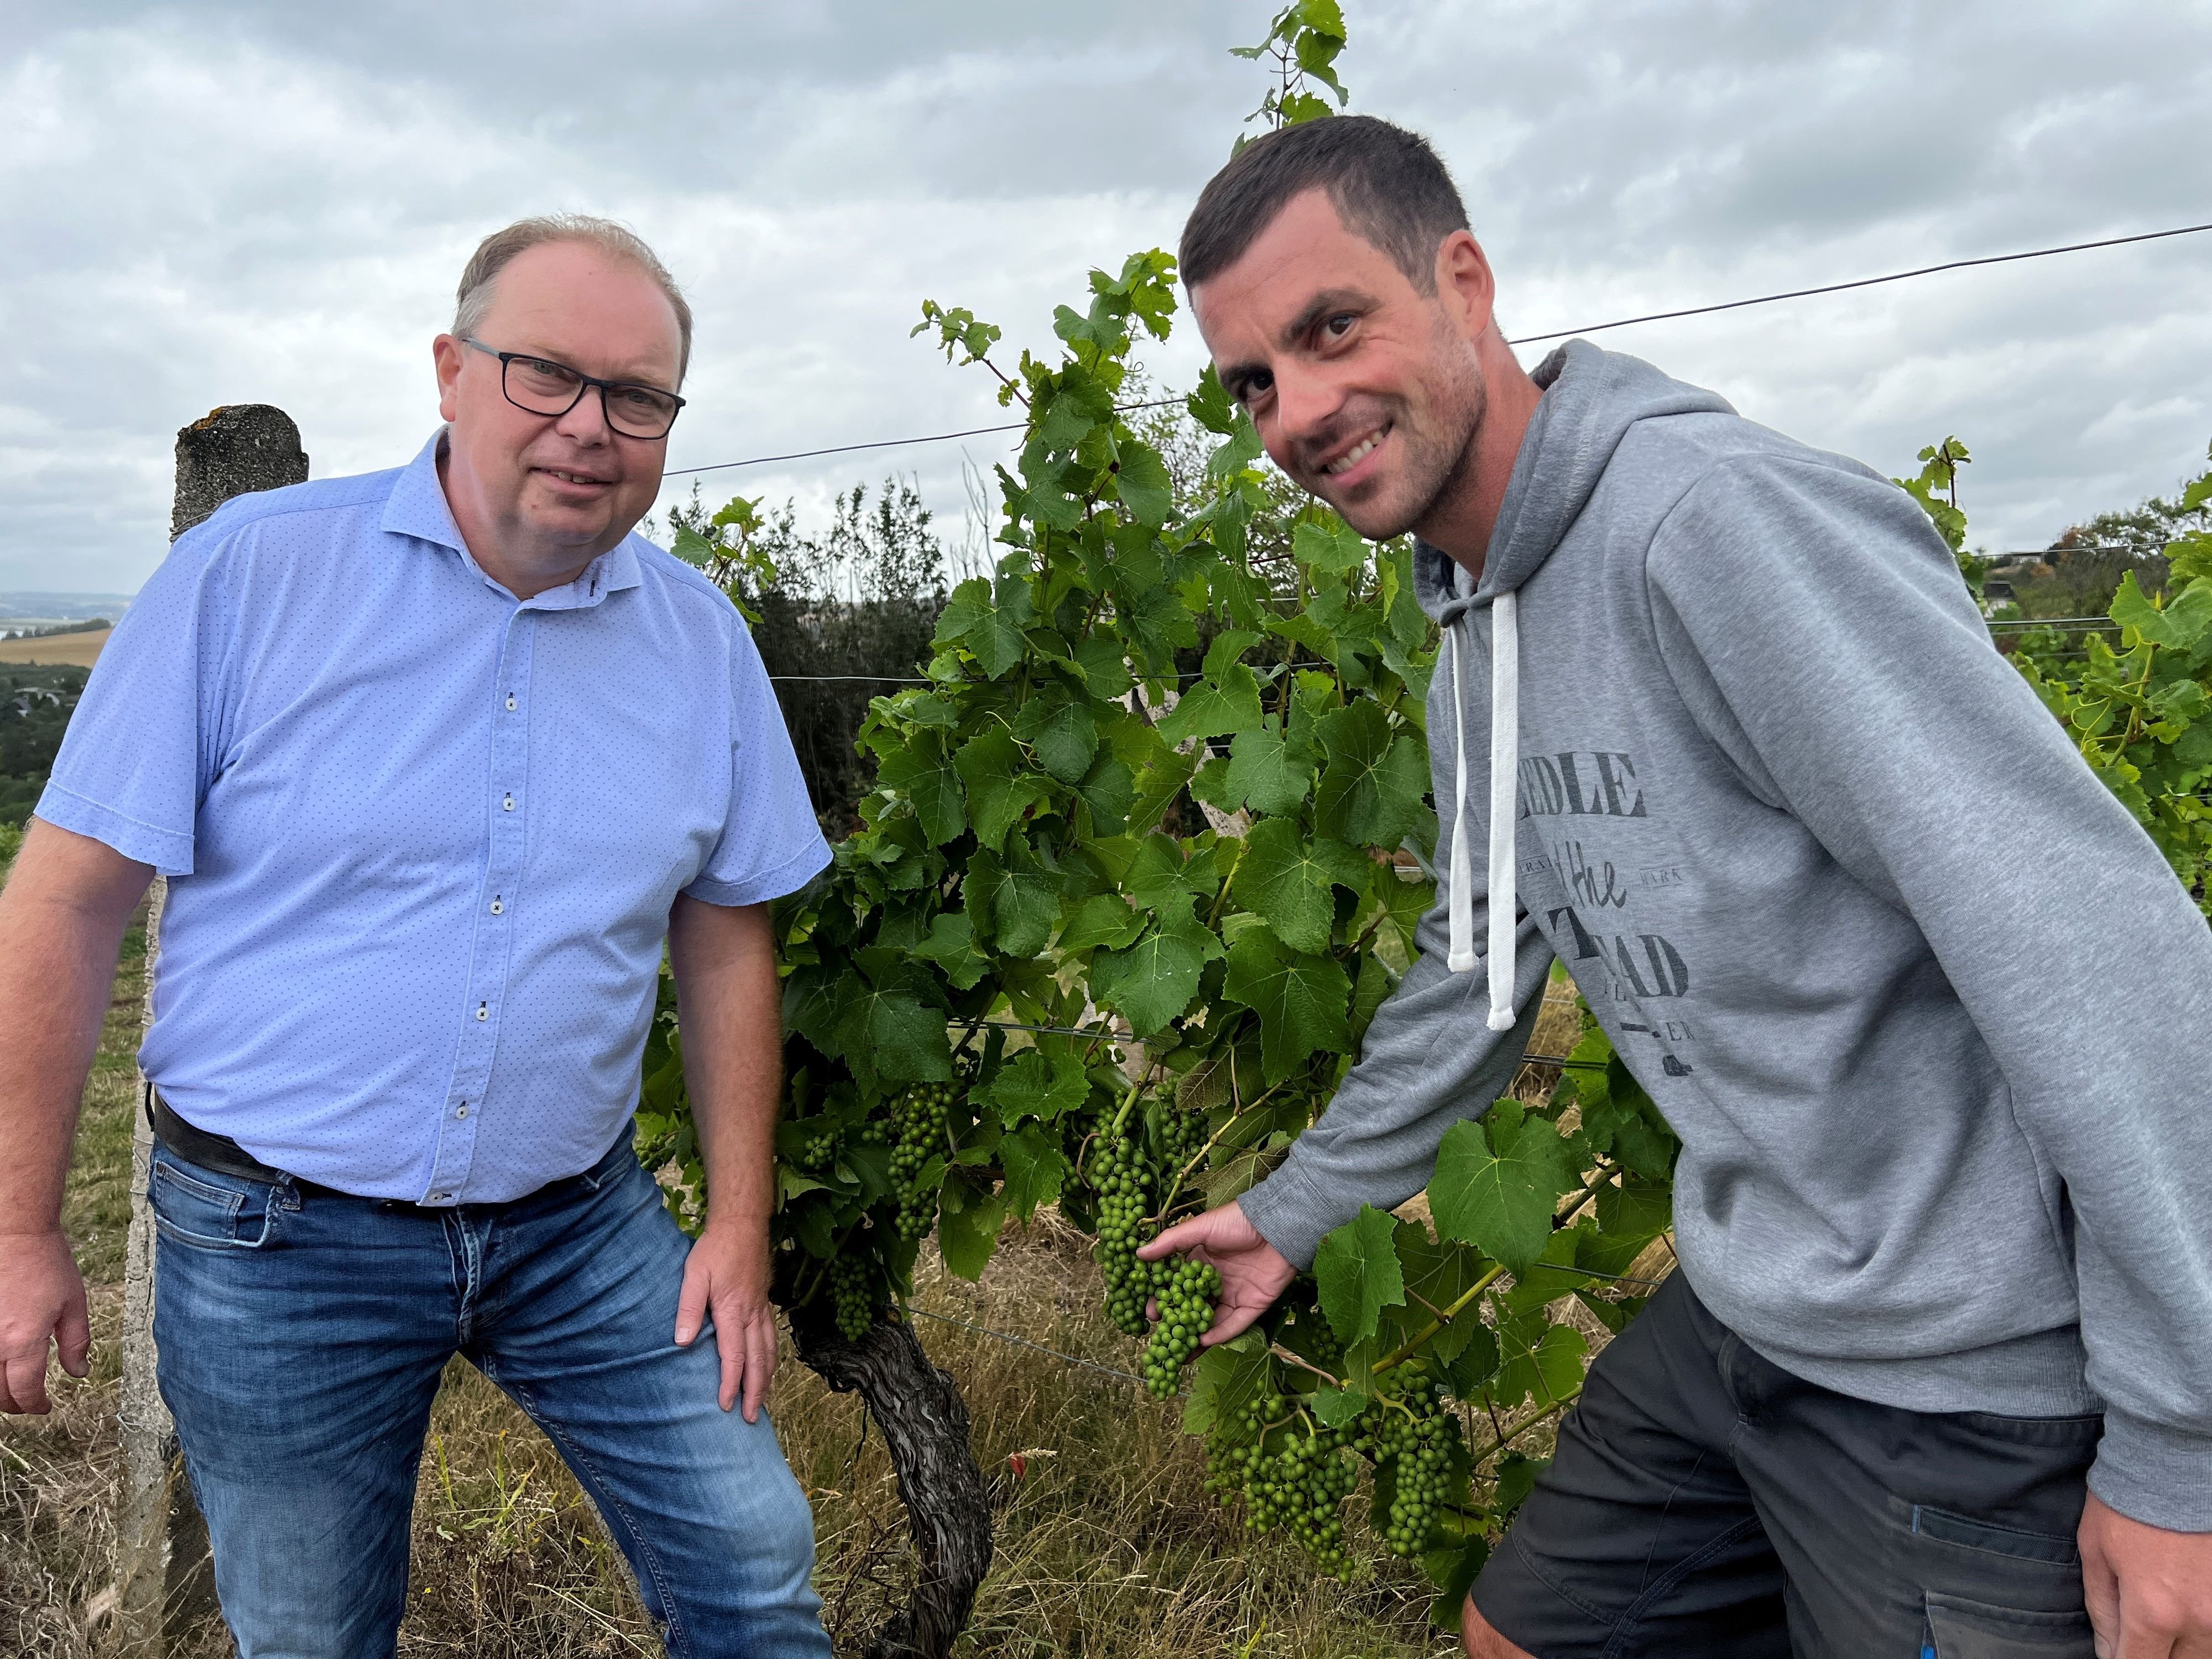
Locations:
column 62, row 918
column 1817, row 628
column 1428, row 1059
column 731, row 1013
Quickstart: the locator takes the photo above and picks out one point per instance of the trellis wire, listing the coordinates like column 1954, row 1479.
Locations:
column 1524, row 339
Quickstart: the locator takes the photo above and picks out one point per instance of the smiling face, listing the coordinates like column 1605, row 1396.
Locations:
column 1367, row 391
column 538, row 497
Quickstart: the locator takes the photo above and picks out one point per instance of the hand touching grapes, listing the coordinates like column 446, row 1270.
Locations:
column 1254, row 1273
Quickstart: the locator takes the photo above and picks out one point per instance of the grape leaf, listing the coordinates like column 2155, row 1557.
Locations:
column 1290, row 881
column 1035, row 1170
column 1141, row 480
column 1265, row 774
column 1103, row 919
column 967, row 1229
column 1215, row 708
column 1299, row 998
column 1501, row 1201
column 1031, row 1085
column 1333, row 548
column 897, row 1036
column 951, row 945
column 1542, row 1362
column 1372, row 784
column 1001, row 788
column 1062, row 733
column 1357, row 1271
column 1108, row 789
column 1154, row 980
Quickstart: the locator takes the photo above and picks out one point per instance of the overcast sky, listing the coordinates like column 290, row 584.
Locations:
column 244, row 202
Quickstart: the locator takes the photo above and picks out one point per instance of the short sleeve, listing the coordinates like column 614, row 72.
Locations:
column 770, row 843
column 146, row 738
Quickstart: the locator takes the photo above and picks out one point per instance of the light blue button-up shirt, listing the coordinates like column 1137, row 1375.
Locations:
column 421, row 839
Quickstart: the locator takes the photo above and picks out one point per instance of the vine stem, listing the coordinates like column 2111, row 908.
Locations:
column 1183, row 1174
column 1284, row 1354
column 1405, row 1349
column 1521, row 1428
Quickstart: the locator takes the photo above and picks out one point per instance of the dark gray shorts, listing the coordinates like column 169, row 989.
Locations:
column 1706, row 1502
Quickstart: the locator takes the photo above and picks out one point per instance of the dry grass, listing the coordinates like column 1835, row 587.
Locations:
column 1106, row 1546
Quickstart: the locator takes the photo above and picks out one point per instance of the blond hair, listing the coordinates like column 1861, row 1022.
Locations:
column 498, row 250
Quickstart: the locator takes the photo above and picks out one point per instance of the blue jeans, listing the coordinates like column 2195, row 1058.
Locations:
column 302, row 1338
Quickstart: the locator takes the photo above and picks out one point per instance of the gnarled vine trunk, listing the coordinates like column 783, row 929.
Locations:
column 925, row 1424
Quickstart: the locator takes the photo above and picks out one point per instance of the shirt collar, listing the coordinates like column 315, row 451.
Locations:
column 417, row 509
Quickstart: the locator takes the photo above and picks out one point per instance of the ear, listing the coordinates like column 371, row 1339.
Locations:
column 1465, row 286
column 446, row 353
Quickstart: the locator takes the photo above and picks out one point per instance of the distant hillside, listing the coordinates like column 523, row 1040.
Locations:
column 30, row 609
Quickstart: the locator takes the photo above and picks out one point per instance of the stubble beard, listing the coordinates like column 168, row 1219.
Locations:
column 1442, row 465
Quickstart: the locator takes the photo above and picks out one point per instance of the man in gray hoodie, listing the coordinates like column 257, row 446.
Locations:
column 1922, row 1000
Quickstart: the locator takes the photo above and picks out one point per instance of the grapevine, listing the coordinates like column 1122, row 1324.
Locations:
column 1158, row 808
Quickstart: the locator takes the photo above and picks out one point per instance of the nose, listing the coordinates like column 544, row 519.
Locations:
column 587, row 423
column 1306, row 407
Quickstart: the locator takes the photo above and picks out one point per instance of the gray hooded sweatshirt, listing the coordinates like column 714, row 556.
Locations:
column 1925, row 1004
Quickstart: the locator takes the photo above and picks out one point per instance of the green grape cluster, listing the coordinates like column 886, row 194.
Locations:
column 819, row 1150
column 852, row 1298
column 1118, row 1174
column 1186, row 1298
column 921, row 1115
column 1406, row 1426
column 1289, row 1471
column 1182, row 1137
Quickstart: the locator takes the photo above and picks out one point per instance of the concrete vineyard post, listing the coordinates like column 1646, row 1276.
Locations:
column 167, row 1581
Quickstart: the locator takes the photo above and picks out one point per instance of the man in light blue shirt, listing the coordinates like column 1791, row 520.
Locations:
column 435, row 760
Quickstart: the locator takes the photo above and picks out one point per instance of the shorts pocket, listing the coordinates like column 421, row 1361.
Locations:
column 208, row 1211
column 1998, row 1540
column 1961, row 1629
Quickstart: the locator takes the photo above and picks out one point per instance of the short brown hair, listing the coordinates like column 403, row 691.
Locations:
column 497, row 250
column 1387, row 184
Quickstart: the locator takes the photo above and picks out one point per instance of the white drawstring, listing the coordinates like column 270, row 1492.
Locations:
column 1505, row 802
column 1462, row 959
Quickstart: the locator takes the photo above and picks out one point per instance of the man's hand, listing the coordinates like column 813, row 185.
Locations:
column 1253, row 1271
column 41, row 1300
column 725, row 1278
column 2149, row 1590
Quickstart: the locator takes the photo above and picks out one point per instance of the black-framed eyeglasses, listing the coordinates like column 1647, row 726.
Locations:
column 542, row 387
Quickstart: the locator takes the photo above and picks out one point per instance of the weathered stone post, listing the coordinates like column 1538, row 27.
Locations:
column 167, row 1583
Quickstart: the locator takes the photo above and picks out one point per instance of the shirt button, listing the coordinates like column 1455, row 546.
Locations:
column 460, row 1111
column 483, row 1011
column 506, row 804
column 510, row 700
column 498, row 908
column 440, row 1198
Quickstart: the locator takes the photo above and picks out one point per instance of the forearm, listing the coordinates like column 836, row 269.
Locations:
column 729, row 1008
column 1428, row 1061
column 58, row 944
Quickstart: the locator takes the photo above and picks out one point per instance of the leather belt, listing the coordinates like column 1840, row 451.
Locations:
column 210, row 1152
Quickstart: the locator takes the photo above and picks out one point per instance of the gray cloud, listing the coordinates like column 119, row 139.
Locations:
column 270, row 201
